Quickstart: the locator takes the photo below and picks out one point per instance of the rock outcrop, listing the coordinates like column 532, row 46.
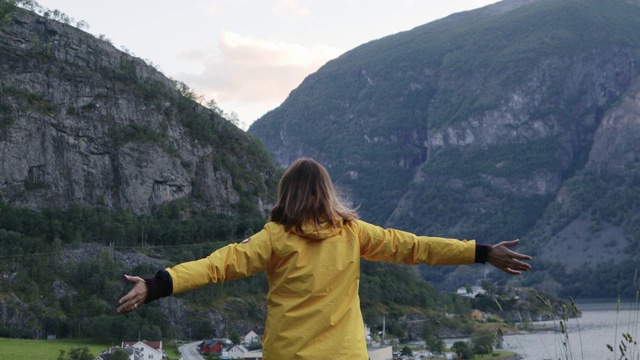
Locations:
column 84, row 123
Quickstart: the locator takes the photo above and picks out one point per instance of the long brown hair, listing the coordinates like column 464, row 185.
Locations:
column 306, row 193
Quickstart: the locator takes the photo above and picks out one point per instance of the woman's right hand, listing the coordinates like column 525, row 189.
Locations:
column 135, row 297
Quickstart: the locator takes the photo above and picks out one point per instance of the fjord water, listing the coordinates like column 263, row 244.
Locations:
column 602, row 323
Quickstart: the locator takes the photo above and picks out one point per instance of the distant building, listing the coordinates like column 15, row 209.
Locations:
column 380, row 353
column 233, row 351
column 253, row 336
column 478, row 315
column 132, row 353
column 150, row 350
column 475, row 290
column 253, row 355
column 213, row 346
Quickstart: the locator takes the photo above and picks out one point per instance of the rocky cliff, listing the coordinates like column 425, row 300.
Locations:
column 91, row 130
column 84, row 123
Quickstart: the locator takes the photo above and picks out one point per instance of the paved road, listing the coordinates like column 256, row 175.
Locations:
column 190, row 351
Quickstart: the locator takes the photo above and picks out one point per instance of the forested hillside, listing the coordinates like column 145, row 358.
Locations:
column 516, row 120
column 61, row 274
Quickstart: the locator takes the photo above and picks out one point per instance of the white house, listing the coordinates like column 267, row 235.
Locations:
column 253, row 336
column 475, row 290
column 150, row 350
column 367, row 333
column 234, row 352
column 109, row 354
column 380, row 353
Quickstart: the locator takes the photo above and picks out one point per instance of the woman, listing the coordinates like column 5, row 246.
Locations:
column 310, row 250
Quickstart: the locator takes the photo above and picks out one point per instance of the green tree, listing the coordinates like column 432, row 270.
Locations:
column 435, row 345
column 490, row 287
column 213, row 106
column 6, row 7
column 254, row 345
column 119, row 354
column 406, row 351
column 201, row 328
column 234, row 119
column 482, row 341
column 462, row 350
column 76, row 354
column 234, row 337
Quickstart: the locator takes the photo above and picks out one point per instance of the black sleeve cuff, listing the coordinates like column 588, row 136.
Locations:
column 158, row 286
column 482, row 252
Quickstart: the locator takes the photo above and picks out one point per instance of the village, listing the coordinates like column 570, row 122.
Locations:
column 248, row 346
column 223, row 349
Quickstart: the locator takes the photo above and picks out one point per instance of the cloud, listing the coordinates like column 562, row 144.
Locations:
column 481, row 3
column 252, row 71
column 214, row 9
column 290, row 9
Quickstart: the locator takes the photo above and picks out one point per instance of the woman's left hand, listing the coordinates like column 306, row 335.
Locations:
column 135, row 297
column 508, row 260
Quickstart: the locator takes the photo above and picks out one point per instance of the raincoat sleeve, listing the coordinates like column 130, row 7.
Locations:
column 397, row 246
column 230, row 262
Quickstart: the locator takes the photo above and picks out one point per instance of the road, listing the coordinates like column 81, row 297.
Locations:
column 190, row 351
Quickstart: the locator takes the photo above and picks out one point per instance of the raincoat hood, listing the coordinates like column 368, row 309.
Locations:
column 323, row 231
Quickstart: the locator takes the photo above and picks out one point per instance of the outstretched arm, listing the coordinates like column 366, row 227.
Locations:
column 507, row 260
column 230, row 262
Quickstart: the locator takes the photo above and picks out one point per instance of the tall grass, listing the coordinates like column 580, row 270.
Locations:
column 628, row 346
column 567, row 352
column 624, row 346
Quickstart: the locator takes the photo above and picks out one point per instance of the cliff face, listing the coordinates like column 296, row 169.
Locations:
column 543, row 130
column 84, row 125
column 517, row 120
column 617, row 140
column 82, row 122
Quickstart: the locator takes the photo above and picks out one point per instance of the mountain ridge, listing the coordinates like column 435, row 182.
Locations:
column 481, row 125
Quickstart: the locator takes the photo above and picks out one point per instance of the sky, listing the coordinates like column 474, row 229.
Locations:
column 248, row 55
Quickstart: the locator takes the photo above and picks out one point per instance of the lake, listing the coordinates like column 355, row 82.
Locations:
column 601, row 324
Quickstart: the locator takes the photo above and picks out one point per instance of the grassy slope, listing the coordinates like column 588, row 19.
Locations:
column 20, row 349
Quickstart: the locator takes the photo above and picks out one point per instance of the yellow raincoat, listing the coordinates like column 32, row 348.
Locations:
column 313, row 305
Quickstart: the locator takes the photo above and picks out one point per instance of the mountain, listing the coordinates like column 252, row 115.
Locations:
column 84, row 123
column 103, row 157
column 516, row 120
